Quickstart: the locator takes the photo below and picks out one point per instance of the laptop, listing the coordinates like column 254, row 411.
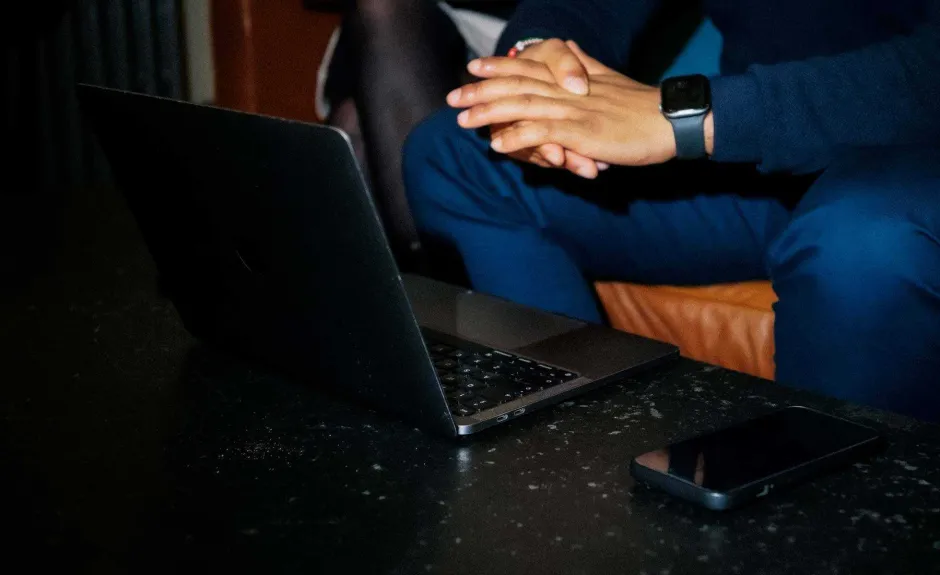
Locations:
column 268, row 243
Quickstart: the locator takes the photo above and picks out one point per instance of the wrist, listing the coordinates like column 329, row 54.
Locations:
column 710, row 133
column 686, row 104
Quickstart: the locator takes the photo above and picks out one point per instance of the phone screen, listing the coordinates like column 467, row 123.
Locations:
column 724, row 460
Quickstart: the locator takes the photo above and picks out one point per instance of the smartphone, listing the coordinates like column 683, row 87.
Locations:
column 738, row 464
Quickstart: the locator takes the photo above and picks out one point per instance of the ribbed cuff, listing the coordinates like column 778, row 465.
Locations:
column 739, row 118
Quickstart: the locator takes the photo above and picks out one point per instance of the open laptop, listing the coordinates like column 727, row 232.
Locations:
column 268, row 242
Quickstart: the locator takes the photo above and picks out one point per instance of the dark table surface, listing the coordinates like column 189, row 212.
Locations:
column 129, row 446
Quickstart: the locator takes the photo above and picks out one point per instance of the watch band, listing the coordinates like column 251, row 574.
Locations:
column 690, row 136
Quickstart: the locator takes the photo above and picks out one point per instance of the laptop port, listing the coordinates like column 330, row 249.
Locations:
column 519, row 412
column 502, row 418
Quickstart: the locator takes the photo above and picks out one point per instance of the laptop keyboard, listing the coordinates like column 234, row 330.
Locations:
column 476, row 378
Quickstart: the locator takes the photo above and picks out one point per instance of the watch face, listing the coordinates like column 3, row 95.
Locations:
column 685, row 96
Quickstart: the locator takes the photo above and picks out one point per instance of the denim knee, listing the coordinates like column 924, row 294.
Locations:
column 868, row 226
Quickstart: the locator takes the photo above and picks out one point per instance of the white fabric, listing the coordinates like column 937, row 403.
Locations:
column 480, row 31
column 321, row 104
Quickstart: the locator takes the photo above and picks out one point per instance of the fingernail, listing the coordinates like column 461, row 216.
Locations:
column 454, row 96
column 474, row 66
column 463, row 117
column 576, row 85
column 497, row 144
column 586, row 172
column 602, row 166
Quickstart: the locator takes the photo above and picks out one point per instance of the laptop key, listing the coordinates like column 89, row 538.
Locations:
column 445, row 364
column 472, row 373
column 510, row 366
column 502, row 383
column 468, row 383
column 463, row 410
column 498, row 394
column 451, row 379
column 479, row 403
column 475, row 363
column 465, row 395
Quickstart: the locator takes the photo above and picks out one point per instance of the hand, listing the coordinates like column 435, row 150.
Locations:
column 562, row 63
column 619, row 122
column 553, row 61
column 569, row 73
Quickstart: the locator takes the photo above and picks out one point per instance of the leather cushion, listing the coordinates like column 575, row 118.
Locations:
column 730, row 325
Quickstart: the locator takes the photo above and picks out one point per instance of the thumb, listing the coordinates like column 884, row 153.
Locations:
column 590, row 64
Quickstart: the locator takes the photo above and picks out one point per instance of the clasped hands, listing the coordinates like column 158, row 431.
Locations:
column 556, row 107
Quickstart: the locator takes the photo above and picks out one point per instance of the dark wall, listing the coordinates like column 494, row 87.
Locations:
column 46, row 48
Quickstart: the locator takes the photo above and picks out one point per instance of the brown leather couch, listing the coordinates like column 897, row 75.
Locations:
column 730, row 325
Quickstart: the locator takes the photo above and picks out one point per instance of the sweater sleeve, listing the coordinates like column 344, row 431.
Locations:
column 605, row 29
column 792, row 117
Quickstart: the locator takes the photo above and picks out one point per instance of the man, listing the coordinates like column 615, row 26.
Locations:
column 816, row 165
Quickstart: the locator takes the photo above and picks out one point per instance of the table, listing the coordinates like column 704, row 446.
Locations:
column 129, row 446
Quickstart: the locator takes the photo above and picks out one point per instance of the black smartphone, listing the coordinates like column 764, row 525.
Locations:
column 732, row 466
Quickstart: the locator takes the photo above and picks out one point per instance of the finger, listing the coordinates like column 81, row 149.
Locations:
column 564, row 65
column 553, row 154
column 590, row 64
column 540, row 161
column 552, row 157
column 568, row 134
column 580, row 165
column 516, row 109
column 496, row 88
column 531, row 158
column 495, row 66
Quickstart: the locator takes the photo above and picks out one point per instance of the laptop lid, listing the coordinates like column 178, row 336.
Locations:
column 267, row 239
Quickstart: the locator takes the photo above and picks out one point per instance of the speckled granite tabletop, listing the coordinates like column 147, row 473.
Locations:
column 129, row 446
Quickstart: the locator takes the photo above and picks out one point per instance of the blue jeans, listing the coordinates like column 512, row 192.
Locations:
column 853, row 254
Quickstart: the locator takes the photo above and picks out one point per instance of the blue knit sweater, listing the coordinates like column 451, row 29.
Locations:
column 800, row 78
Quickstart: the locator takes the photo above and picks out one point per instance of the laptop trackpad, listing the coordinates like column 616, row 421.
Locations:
column 481, row 318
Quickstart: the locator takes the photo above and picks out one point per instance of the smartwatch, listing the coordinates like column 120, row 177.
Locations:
column 686, row 100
